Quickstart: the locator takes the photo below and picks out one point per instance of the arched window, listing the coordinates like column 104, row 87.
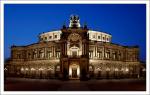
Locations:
column 107, row 54
column 41, row 53
column 99, row 54
column 49, row 54
column 90, row 54
column 35, row 53
column 57, row 68
column 90, row 68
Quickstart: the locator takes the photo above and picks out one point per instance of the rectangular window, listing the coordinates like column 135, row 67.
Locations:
column 50, row 37
column 99, row 54
column 119, row 56
column 99, row 37
column 74, row 53
column 93, row 36
column 103, row 38
column 55, row 36
column 107, row 55
column 18, row 56
column 114, row 56
column 57, row 54
column 45, row 38
column 49, row 54
column 107, row 39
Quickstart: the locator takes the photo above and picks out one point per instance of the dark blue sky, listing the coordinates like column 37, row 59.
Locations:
column 125, row 22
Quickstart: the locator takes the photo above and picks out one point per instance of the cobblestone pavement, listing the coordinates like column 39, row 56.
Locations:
column 25, row 84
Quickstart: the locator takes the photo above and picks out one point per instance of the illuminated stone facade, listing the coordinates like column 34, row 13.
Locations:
column 74, row 52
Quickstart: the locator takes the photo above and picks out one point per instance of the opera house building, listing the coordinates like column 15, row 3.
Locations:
column 74, row 52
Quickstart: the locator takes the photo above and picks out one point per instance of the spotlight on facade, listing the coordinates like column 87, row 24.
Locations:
column 99, row 69
column 22, row 69
column 108, row 69
column 116, row 69
column 52, row 68
column 144, row 69
column 127, row 69
column 26, row 69
column 41, row 69
column 32, row 69
column 5, row 69
column 90, row 68
column 122, row 69
column 57, row 69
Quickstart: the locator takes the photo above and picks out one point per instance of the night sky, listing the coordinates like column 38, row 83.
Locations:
column 125, row 22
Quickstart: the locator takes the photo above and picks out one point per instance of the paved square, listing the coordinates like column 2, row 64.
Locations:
column 25, row 84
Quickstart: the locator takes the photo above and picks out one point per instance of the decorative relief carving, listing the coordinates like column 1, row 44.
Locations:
column 74, row 37
column 74, row 40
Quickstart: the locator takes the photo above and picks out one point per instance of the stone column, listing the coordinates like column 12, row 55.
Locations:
column 32, row 50
column 38, row 53
column 32, row 56
column 65, row 48
column 45, row 55
column 84, row 48
column 54, row 51
column 96, row 51
column 28, row 54
column 103, row 53
column 110, row 54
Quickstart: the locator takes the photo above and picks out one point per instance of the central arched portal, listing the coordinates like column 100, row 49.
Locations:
column 74, row 71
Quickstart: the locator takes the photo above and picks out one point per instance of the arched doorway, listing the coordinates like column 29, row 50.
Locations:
column 74, row 71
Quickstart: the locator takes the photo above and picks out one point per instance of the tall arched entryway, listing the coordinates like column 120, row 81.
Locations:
column 74, row 71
